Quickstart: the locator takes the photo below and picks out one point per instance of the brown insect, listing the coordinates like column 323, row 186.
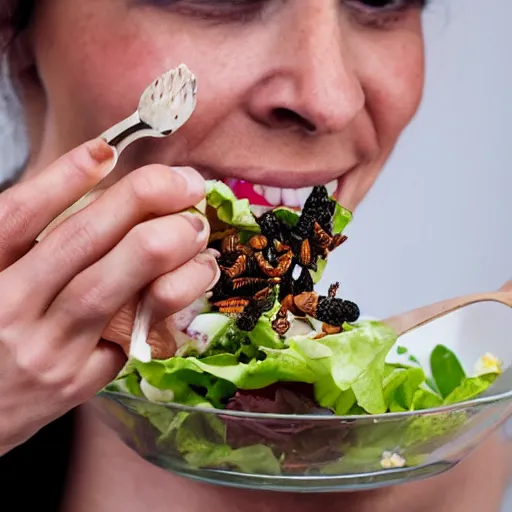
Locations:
column 238, row 267
column 305, row 253
column 283, row 264
column 326, row 242
column 232, row 306
column 281, row 324
column 258, row 242
column 256, row 282
column 221, row 235
column 231, row 244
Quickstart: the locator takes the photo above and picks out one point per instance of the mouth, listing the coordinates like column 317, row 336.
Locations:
column 271, row 196
column 268, row 190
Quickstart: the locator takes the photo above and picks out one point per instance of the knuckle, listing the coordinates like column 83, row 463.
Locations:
column 37, row 367
column 147, row 183
column 80, row 241
column 15, row 215
column 153, row 245
column 90, row 301
column 168, row 291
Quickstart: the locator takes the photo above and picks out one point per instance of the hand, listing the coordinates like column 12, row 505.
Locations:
column 58, row 296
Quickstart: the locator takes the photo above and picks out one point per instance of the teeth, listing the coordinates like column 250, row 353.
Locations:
column 259, row 190
column 290, row 197
column 273, row 195
column 293, row 198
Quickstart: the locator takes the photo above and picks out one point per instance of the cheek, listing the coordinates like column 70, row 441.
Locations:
column 393, row 79
column 100, row 76
column 110, row 64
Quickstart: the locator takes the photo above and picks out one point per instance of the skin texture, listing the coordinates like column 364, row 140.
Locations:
column 301, row 93
column 357, row 86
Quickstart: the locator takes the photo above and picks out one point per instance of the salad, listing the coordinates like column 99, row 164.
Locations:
column 264, row 341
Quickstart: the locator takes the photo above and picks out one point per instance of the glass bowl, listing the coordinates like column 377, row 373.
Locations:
column 302, row 453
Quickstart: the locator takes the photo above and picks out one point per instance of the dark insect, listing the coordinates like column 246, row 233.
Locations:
column 290, row 285
column 319, row 207
column 260, row 304
column 304, row 283
column 271, row 227
column 329, row 310
column 311, row 237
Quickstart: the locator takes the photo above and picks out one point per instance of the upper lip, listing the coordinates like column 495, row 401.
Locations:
column 282, row 178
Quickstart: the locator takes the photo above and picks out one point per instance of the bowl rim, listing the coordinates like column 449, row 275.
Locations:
column 371, row 418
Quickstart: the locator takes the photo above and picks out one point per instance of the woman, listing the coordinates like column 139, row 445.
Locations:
column 292, row 94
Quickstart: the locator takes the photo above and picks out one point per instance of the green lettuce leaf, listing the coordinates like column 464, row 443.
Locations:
column 285, row 365
column 354, row 361
column 231, row 210
column 345, row 368
column 200, row 438
column 287, row 215
column 470, row 388
column 425, row 398
column 446, row 370
column 404, row 394
column 249, row 459
column 126, row 383
column 342, row 218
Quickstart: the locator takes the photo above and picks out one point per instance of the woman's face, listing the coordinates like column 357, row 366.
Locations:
column 291, row 93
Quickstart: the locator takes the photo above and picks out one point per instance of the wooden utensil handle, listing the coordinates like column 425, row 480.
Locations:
column 411, row 320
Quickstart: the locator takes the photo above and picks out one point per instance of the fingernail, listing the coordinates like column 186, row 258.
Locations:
column 195, row 182
column 199, row 223
column 100, row 151
column 104, row 156
column 206, row 257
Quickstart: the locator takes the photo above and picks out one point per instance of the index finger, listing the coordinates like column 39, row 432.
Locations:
column 27, row 208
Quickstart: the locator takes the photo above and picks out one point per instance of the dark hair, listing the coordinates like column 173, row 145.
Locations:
column 15, row 17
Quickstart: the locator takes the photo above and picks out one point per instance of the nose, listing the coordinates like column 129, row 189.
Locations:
column 311, row 83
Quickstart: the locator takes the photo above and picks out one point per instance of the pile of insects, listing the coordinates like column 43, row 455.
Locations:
column 281, row 257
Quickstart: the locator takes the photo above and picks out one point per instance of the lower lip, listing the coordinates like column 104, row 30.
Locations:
column 258, row 195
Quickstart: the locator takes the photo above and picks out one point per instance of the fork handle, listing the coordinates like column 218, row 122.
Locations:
column 415, row 318
column 122, row 134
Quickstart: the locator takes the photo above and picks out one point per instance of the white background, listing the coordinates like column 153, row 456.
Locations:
column 437, row 224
